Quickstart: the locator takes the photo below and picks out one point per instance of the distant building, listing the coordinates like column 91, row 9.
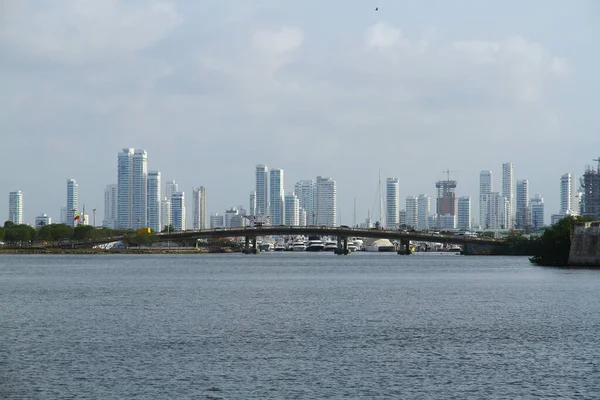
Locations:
column 536, row 206
column 306, row 191
column 199, row 208
column 447, row 221
column 154, row 201
column 276, row 197
column 165, row 212
column 326, row 202
column 507, row 192
column 72, row 201
column 590, row 198
column 392, row 203
column 402, row 219
column 15, row 207
column 42, row 220
column 292, row 210
column 132, row 181
column 63, row 215
column 217, row 221
column 423, row 212
column 412, row 212
column 110, row 207
column 252, row 210
column 485, row 189
column 463, row 220
column 262, row 189
column 522, row 209
column 178, row 211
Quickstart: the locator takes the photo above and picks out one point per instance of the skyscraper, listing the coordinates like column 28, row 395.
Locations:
column 392, row 203
column 568, row 195
column 536, row 205
column 72, row 201
column 124, row 188
column 412, row 212
column 522, row 213
column 276, row 202
column 292, row 210
column 262, row 189
column 464, row 213
column 446, row 198
column 178, row 211
column 110, row 206
column 326, row 201
column 199, row 208
column 154, row 201
column 252, row 210
column 485, row 188
column 139, row 205
column 165, row 213
column 15, row 207
column 423, row 211
column 507, row 192
column 306, row 190
column 132, row 181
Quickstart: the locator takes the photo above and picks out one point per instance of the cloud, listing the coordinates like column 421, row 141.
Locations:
column 80, row 32
column 383, row 35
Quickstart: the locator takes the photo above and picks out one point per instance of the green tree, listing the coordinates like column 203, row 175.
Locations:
column 2, row 230
column 61, row 232
column 84, row 232
column 168, row 228
column 9, row 224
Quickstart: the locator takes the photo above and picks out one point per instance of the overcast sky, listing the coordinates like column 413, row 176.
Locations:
column 211, row 88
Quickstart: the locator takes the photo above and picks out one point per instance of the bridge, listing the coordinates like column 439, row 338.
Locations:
column 342, row 233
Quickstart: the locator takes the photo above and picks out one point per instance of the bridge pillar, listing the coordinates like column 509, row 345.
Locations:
column 254, row 246
column 342, row 246
column 404, row 247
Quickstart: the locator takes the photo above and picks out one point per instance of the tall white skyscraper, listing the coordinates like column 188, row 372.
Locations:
column 326, row 202
column 139, row 205
column 63, row 215
column 199, row 208
column 412, row 212
column 178, row 211
column 154, row 201
column 110, row 206
column 464, row 213
column 423, row 211
column 522, row 210
column 252, row 210
column 170, row 188
column 536, row 206
column 15, row 207
column 124, row 188
column 276, row 202
column 262, row 189
column 165, row 213
column 485, row 188
column 568, row 195
column 292, row 210
column 507, row 192
column 132, row 181
column 306, row 190
column 392, row 190
column 72, row 201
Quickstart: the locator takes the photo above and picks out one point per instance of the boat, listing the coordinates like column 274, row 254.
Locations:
column 315, row 244
column 298, row 245
column 279, row 246
column 330, row 245
column 265, row 246
column 381, row 245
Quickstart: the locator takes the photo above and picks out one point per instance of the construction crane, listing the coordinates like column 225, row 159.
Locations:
column 447, row 172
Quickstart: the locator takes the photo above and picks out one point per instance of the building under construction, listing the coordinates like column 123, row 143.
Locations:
column 590, row 187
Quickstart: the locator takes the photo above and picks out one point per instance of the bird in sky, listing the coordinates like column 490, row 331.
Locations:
column 376, row 8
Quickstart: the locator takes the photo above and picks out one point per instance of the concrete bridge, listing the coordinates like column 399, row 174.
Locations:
column 342, row 233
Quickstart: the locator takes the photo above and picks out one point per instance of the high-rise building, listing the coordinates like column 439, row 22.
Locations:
column 154, row 201
column 165, row 213
column 15, row 207
column 306, row 190
column 568, row 195
column 485, row 188
column 124, row 188
column 412, row 212
column 495, row 211
column 463, row 220
column 72, row 201
column 423, row 211
column 42, row 220
column 392, row 197
column 178, row 211
column 302, row 217
column 276, row 201
column 170, row 188
column 536, row 205
column 217, row 221
column 199, row 208
column 402, row 220
column 139, row 205
column 326, row 202
column 132, row 181
column 507, row 192
column 252, row 210
column 292, row 210
column 262, row 190
column 110, row 206
column 63, row 215
column 590, row 197
column 230, row 215
column 522, row 209
column 446, row 199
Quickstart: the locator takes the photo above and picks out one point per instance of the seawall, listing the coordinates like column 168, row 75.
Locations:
column 585, row 244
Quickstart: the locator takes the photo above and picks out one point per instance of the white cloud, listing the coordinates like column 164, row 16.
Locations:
column 382, row 35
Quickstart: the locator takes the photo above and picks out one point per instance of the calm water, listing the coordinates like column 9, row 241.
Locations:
column 289, row 325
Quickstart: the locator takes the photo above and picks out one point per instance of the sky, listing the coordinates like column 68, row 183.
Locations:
column 212, row 88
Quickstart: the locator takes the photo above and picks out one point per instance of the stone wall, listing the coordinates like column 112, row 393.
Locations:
column 585, row 244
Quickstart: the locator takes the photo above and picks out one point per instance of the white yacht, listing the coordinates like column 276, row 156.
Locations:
column 330, row 245
column 298, row 245
column 315, row 244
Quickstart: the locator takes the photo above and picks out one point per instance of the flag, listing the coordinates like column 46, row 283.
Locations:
column 76, row 218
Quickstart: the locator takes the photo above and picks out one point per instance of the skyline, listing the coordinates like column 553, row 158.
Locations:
column 210, row 90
